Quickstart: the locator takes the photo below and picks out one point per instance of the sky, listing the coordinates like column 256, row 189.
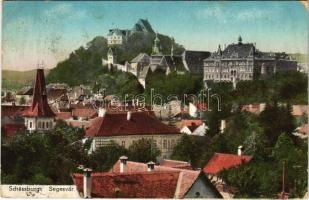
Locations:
column 51, row 30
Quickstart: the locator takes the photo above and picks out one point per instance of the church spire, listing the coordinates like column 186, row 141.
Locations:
column 156, row 47
column 40, row 107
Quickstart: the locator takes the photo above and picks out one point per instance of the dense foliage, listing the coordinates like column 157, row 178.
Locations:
column 51, row 157
column 84, row 65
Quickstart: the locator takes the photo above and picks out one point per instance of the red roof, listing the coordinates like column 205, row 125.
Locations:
column 304, row 129
column 131, row 185
column 176, row 164
column 84, row 112
column 39, row 107
column 63, row 115
column 221, row 161
column 190, row 122
column 13, row 110
column 117, row 124
column 9, row 130
column 188, row 177
column 299, row 110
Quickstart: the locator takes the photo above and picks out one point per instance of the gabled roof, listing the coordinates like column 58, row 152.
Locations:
column 175, row 63
column 140, row 123
column 176, row 164
column 13, row 111
column 239, row 50
column 63, row 115
column 84, row 112
column 39, row 107
column 139, row 57
column 25, row 91
column 220, row 161
column 131, row 185
column 194, row 60
column 56, row 93
column 188, row 177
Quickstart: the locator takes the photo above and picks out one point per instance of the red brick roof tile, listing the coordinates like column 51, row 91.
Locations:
column 63, row 115
column 84, row 112
column 187, row 180
column 13, row 110
column 131, row 185
column 176, row 164
column 221, row 161
column 117, row 124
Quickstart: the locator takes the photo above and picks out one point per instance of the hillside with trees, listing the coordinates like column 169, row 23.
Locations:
column 84, row 65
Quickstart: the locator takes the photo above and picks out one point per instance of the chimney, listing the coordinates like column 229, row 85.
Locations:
column 239, row 152
column 223, row 126
column 87, row 183
column 102, row 112
column 123, row 163
column 129, row 115
column 150, row 166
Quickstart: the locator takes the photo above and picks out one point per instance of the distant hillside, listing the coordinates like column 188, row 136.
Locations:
column 84, row 65
column 23, row 77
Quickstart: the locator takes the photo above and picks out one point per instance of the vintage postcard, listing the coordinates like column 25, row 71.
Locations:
column 154, row 99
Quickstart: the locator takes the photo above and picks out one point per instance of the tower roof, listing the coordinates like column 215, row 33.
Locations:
column 39, row 107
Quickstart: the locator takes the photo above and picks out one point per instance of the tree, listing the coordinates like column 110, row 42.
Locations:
column 105, row 157
column 276, row 120
column 144, row 150
column 22, row 101
column 190, row 149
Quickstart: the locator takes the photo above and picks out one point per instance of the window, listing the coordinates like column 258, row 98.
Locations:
column 43, row 125
column 50, row 124
column 123, row 143
column 46, row 125
column 164, row 144
column 30, row 124
column 173, row 143
column 169, row 144
column 39, row 124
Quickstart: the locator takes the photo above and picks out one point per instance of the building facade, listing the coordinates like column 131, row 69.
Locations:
column 242, row 61
column 127, row 128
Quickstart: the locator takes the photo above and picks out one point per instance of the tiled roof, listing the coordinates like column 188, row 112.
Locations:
column 55, row 93
column 63, row 115
column 39, row 107
column 25, row 91
column 188, row 176
column 13, row 111
column 221, row 161
column 176, row 164
column 140, row 57
column 9, row 130
column 299, row 110
column 131, row 185
column 175, row 63
column 84, row 112
column 190, row 122
column 194, row 60
column 140, row 123
column 241, row 50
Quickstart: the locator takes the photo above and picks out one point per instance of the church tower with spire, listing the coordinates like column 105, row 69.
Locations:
column 156, row 49
column 39, row 116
